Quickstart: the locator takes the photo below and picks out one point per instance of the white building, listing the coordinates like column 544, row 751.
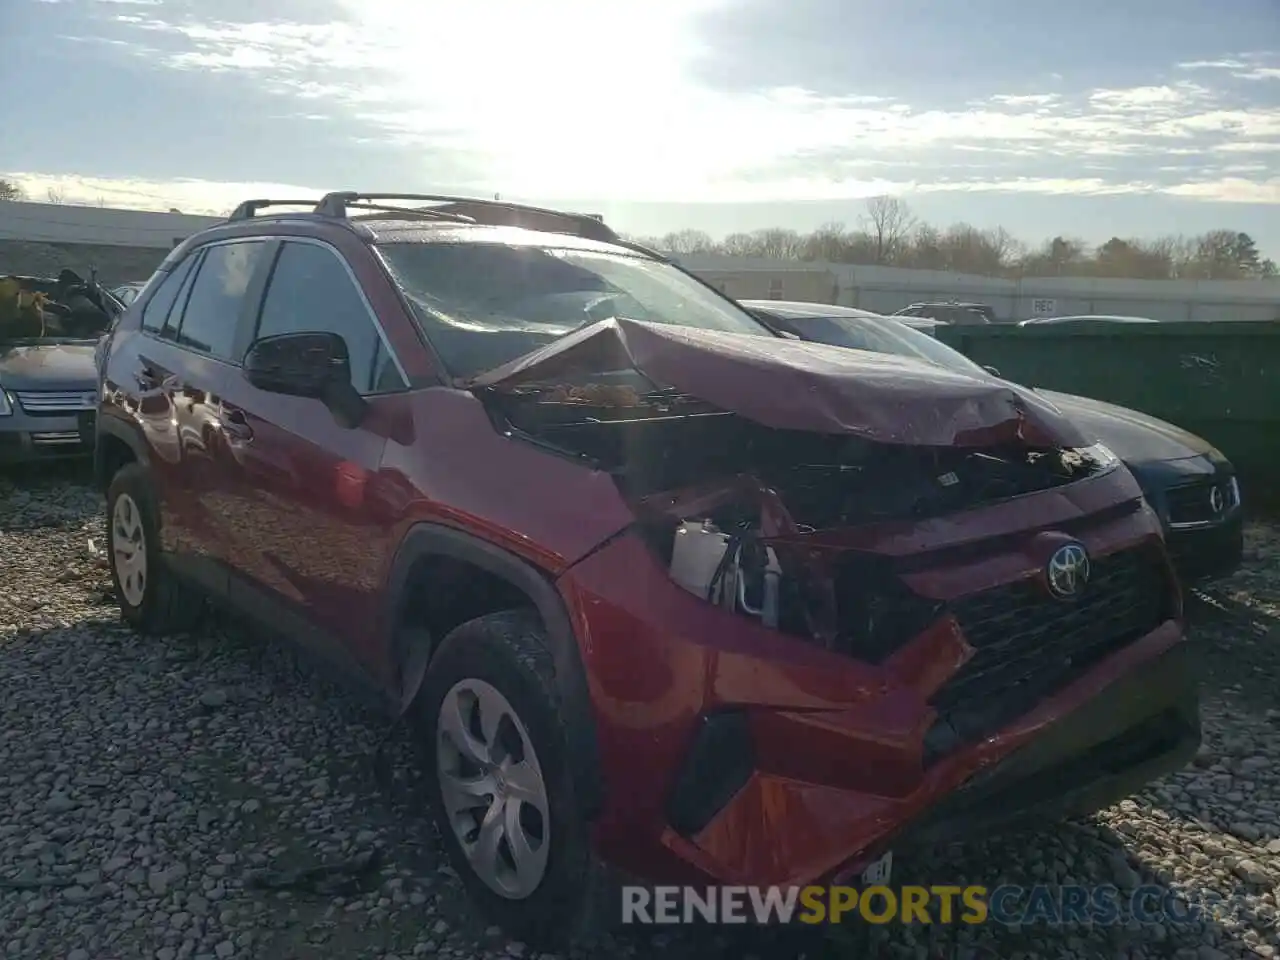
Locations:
column 103, row 226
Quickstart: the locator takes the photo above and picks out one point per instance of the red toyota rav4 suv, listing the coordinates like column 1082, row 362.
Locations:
column 667, row 591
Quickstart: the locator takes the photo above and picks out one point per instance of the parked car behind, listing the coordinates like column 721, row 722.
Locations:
column 950, row 312
column 126, row 293
column 48, row 384
column 1191, row 485
column 664, row 592
column 1084, row 318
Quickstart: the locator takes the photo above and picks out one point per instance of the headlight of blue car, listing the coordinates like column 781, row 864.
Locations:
column 6, row 405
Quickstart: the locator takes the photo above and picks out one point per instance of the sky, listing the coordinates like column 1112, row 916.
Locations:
column 1089, row 119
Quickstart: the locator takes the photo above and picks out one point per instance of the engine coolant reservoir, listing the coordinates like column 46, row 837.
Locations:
column 699, row 547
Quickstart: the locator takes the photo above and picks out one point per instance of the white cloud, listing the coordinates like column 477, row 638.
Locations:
column 1231, row 190
column 1026, row 99
column 1249, row 146
column 574, row 98
column 1161, row 100
column 1213, row 65
column 1247, row 66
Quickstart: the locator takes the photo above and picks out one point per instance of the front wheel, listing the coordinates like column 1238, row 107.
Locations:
column 503, row 797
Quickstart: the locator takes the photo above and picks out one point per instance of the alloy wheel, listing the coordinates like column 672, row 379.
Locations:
column 129, row 549
column 492, row 788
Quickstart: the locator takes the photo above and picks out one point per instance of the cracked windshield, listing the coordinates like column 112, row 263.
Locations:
column 700, row 480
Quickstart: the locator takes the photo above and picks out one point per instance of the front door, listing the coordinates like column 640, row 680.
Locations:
column 310, row 546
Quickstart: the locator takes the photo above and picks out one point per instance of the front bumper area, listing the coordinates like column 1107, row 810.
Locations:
column 1204, row 542
column 1129, row 721
column 808, row 762
column 1207, row 553
column 1142, row 726
column 26, row 438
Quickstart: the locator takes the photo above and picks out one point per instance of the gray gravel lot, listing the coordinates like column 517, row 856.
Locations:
column 146, row 785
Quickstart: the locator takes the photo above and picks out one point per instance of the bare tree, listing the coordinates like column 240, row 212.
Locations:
column 55, row 195
column 828, row 243
column 779, row 244
column 889, row 221
column 11, row 191
column 741, row 245
column 687, row 241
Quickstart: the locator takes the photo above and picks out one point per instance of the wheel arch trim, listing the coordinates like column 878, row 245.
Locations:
column 411, row 660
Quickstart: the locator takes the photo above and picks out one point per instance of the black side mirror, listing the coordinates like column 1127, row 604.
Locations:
column 314, row 365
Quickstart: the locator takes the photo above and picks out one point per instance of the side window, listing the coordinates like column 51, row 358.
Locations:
column 217, row 295
column 310, row 292
column 157, row 309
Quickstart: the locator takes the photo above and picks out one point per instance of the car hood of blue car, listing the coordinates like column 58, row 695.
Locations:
column 1132, row 436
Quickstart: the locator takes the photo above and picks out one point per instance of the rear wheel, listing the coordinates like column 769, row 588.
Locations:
column 503, row 797
column 152, row 600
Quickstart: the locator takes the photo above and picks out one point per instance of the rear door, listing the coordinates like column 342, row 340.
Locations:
column 310, row 543
column 187, row 347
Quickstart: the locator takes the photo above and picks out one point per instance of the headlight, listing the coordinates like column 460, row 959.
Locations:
column 6, row 407
column 1101, row 454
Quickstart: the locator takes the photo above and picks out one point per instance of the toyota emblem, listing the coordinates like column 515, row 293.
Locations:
column 1067, row 571
column 1216, row 501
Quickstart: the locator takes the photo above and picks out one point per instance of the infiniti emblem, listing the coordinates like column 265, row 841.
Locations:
column 1067, row 571
column 1216, row 501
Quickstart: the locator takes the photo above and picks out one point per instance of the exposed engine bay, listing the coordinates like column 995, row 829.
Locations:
column 734, row 507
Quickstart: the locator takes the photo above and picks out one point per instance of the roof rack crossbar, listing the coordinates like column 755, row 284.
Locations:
column 250, row 208
column 335, row 205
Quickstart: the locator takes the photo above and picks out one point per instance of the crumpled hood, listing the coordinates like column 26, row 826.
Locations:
column 48, row 366
column 1132, row 436
column 794, row 385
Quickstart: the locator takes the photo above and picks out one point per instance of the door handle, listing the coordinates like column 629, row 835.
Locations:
column 235, row 425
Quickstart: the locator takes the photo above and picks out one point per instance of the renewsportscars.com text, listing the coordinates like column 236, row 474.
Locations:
column 971, row 904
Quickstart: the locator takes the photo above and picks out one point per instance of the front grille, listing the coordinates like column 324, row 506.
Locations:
column 1195, row 502
column 1028, row 645
column 53, row 402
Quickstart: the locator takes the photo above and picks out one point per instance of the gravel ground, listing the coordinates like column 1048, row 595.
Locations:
column 146, row 786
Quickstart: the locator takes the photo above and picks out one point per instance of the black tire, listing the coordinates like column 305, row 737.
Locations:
column 168, row 605
column 508, row 651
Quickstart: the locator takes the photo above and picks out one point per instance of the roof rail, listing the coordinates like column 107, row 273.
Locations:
column 250, row 208
column 490, row 212
column 413, row 213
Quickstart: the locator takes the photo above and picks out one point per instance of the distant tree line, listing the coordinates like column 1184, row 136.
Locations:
column 890, row 235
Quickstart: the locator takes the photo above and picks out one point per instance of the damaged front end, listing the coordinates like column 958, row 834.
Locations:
column 833, row 608
column 753, row 501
